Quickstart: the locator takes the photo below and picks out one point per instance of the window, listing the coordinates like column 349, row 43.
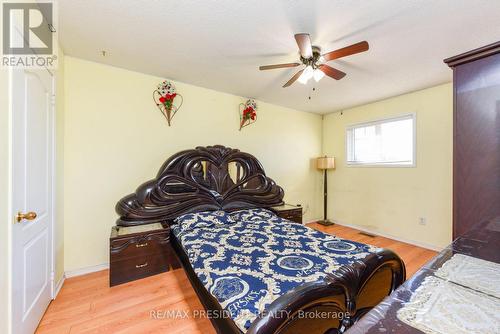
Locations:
column 387, row 142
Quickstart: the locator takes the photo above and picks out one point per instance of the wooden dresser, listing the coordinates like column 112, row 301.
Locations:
column 290, row 212
column 476, row 137
column 139, row 251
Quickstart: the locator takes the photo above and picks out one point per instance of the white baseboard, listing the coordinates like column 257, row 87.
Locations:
column 390, row 236
column 59, row 286
column 86, row 270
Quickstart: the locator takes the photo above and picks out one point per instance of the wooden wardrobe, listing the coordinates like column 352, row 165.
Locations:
column 476, row 142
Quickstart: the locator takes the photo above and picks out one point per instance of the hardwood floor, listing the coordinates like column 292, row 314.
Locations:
column 86, row 304
column 414, row 257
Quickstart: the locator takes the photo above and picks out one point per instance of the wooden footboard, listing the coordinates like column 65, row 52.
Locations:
column 333, row 305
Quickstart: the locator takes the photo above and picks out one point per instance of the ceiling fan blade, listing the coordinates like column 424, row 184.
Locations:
column 293, row 79
column 347, row 51
column 272, row 67
column 304, row 43
column 331, row 72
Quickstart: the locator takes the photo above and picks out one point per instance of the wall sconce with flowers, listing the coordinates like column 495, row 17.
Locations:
column 164, row 97
column 248, row 113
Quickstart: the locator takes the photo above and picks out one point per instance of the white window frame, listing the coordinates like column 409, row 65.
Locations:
column 349, row 144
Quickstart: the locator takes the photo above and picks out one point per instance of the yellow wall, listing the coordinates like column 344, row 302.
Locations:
column 115, row 139
column 390, row 200
column 5, row 230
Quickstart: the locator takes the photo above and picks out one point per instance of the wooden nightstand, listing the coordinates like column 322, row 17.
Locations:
column 290, row 212
column 139, row 251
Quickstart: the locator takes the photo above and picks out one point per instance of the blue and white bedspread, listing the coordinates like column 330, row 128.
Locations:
column 249, row 258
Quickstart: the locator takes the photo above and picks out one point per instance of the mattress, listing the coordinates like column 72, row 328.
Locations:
column 256, row 257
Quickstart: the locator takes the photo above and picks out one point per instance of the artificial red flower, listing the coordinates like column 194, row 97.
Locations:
column 249, row 112
column 170, row 96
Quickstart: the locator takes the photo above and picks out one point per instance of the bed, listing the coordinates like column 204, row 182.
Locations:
column 252, row 270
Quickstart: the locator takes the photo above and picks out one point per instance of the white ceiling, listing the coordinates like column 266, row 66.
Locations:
column 219, row 44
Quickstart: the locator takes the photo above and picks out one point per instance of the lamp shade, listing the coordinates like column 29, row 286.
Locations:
column 325, row 162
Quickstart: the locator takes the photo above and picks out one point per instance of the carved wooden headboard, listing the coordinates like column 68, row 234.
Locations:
column 205, row 178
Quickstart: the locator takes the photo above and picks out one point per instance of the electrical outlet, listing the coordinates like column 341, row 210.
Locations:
column 422, row 221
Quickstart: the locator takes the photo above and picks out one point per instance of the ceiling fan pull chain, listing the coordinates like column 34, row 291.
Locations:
column 310, row 92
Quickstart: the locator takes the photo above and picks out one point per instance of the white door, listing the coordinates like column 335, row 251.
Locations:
column 32, row 169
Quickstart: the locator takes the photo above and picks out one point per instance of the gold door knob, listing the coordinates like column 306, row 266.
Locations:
column 28, row 216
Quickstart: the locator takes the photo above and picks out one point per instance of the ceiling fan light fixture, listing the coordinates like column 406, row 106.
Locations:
column 306, row 75
column 318, row 74
column 315, row 61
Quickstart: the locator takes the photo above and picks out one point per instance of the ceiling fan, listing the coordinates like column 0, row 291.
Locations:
column 310, row 55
